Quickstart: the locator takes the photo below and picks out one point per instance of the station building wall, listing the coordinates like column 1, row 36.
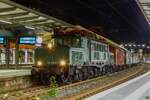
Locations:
column 12, row 53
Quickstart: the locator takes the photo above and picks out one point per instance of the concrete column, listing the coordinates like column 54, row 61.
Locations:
column 17, row 53
column 13, row 55
column 7, row 52
column 26, row 56
column 33, row 56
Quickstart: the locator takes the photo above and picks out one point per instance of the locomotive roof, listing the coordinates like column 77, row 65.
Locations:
column 107, row 40
column 81, row 31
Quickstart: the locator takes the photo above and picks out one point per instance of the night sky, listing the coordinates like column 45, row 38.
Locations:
column 120, row 20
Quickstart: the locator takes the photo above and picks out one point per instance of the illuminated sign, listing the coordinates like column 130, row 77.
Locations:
column 38, row 41
column 27, row 40
column 2, row 40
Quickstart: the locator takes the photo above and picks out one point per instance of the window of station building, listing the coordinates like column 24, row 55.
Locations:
column 12, row 56
column 30, row 56
column 21, row 57
column 2, row 56
column 26, row 56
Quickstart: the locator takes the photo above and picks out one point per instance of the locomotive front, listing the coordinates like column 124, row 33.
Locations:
column 76, row 54
column 50, row 62
column 54, row 59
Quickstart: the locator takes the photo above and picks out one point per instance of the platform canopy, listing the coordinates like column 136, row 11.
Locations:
column 145, row 8
column 12, row 15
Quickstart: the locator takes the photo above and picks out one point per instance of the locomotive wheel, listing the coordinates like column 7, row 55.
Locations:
column 80, row 76
column 45, row 77
column 117, row 68
column 95, row 72
column 64, row 79
column 77, row 78
column 111, row 68
column 35, row 76
column 43, row 80
column 100, row 71
column 121, row 67
column 85, row 76
column 103, row 70
column 114, row 68
column 107, row 69
column 70, row 79
column 91, row 74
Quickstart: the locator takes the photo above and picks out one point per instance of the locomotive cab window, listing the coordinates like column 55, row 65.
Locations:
column 68, row 41
column 58, row 41
column 76, row 42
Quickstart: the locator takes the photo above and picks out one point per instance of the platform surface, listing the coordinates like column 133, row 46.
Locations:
column 135, row 89
column 7, row 73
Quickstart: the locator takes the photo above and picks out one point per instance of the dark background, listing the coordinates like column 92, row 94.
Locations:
column 120, row 20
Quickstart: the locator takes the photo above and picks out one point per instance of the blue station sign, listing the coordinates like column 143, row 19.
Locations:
column 27, row 40
column 2, row 40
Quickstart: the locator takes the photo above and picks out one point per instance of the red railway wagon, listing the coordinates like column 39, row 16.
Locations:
column 118, row 55
column 112, row 52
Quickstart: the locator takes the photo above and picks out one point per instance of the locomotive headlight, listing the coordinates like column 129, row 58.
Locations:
column 49, row 45
column 62, row 63
column 39, row 63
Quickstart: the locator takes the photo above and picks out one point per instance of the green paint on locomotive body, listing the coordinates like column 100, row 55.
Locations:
column 52, row 57
column 73, row 49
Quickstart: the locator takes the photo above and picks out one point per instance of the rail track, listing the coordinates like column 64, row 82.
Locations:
column 100, row 87
column 81, row 89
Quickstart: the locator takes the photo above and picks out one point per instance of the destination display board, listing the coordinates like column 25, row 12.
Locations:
column 27, row 40
column 2, row 40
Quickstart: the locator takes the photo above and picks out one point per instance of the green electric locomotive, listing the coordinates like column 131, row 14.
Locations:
column 72, row 55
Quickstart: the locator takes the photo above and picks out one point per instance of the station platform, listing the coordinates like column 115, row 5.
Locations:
column 8, row 73
column 135, row 89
